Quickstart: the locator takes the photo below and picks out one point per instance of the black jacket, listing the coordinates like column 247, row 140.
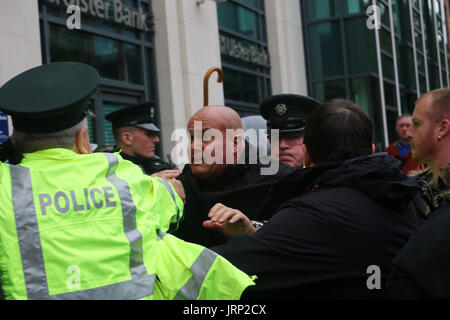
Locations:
column 334, row 221
column 149, row 165
column 240, row 187
column 421, row 270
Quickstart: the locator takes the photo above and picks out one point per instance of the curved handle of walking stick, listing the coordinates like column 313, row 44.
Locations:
column 206, row 81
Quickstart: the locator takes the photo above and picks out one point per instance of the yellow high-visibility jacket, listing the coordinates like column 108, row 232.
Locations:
column 93, row 226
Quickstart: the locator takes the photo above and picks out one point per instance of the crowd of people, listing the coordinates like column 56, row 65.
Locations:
column 123, row 224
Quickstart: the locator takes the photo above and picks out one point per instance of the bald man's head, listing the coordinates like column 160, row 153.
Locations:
column 209, row 144
column 222, row 117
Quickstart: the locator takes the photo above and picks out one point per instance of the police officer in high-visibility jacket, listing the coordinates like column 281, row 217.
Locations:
column 75, row 225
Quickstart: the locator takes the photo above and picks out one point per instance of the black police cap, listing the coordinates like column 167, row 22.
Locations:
column 141, row 115
column 287, row 112
column 49, row 98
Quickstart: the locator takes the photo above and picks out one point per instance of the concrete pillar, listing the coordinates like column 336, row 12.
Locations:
column 286, row 49
column 20, row 40
column 187, row 45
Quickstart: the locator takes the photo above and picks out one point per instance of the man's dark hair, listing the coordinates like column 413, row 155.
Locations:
column 338, row 130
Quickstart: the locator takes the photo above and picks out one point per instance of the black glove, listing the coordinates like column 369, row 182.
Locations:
column 8, row 152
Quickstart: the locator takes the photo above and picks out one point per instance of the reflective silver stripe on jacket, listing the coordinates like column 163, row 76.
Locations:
column 199, row 269
column 141, row 284
column 169, row 188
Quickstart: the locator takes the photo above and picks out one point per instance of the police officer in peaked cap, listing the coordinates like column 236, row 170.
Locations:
column 287, row 113
column 45, row 100
column 136, row 136
column 66, row 211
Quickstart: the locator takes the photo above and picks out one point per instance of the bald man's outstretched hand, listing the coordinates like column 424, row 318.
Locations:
column 229, row 221
column 167, row 174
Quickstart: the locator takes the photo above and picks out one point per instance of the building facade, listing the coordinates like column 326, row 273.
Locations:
column 382, row 68
column 158, row 51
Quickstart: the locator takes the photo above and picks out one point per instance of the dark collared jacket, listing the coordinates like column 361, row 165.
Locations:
column 334, row 221
column 240, row 187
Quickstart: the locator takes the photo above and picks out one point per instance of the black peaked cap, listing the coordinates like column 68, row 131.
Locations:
column 287, row 112
column 49, row 98
column 141, row 115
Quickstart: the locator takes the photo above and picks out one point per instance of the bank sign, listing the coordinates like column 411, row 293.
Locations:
column 237, row 50
column 4, row 132
column 111, row 10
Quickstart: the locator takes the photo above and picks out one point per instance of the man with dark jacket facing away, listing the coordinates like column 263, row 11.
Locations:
column 339, row 223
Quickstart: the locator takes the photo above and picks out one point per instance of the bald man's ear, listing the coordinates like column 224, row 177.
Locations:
column 373, row 148
column 82, row 143
column 238, row 143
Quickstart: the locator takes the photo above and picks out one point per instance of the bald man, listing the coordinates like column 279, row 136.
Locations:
column 221, row 171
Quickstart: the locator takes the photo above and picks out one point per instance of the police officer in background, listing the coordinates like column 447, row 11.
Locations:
column 287, row 113
column 77, row 225
column 137, row 136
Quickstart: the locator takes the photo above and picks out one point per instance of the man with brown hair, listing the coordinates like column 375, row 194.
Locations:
column 350, row 211
column 421, row 269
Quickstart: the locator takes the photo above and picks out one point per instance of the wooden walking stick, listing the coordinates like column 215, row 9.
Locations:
column 206, row 81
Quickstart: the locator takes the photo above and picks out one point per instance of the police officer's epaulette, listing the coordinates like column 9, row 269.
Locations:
column 160, row 165
column 114, row 150
column 9, row 153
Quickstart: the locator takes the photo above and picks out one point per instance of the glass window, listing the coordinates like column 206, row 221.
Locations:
column 365, row 93
column 241, row 86
column 405, row 21
column 360, row 42
column 113, row 59
column 407, row 71
column 360, row 94
column 103, row 18
column 390, row 95
column 385, row 41
column 435, row 82
column 238, row 19
column 391, row 115
column 384, row 11
column 388, row 67
column 327, row 90
column 444, row 77
column 107, row 125
column 326, row 49
column 254, row 3
column 423, row 84
column 410, row 103
column 244, row 53
column 323, row 9
column 356, row 6
column 420, row 63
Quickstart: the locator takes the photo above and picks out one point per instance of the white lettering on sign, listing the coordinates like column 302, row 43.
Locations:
column 236, row 49
column 113, row 10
